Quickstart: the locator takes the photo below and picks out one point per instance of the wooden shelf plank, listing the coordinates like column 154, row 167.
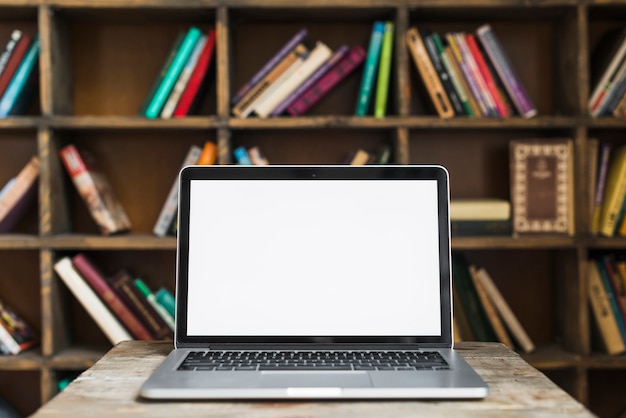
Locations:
column 552, row 357
column 77, row 358
column 27, row 360
column 473, row 243
column 131, row 122
column 19, row 242
column 117, row 242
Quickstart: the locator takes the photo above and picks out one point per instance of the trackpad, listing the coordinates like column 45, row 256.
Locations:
column 275, row 379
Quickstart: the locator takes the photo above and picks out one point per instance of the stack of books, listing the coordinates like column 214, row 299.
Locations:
column 122, row 305
column 295, row 78
column 18, row 195
column 608, row 72
column 468, row 74
column 480, row 217
column 481, row 313
column 179, row 85
column 19, row 73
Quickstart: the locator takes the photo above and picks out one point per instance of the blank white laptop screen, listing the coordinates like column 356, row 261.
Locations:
column 313, row 258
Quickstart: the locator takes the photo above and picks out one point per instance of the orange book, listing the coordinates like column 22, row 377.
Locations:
column 209, row 154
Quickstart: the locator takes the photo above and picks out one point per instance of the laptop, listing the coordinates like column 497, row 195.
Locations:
column 322, row 282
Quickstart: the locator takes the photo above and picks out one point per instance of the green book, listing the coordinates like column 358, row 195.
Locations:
column 370, row 68
column 384, row 69
column 160, row 309
column 162, row 93
column 454, row 76
column 165, row 298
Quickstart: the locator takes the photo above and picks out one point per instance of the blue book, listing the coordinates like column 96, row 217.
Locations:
column 163, row 92
column 242, row 157
column 370, row 69
column 17, row 95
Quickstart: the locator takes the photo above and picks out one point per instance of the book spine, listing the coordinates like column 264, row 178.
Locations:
column 348, row 64
column 163, row 313
column 269, row 65
column 476, row 75
column 490, row 83
column 429, row 75
column 9, row 48
column 183, row 79
column 320, row 54
column 257, row 157
column 168, row 211
column 435, row 58
column 601, row 89
column 98, row 283
column 6, row 340
column 620, row 109
column 600, row 187
column 323, row 69
column 209, row 154
column 14, row 61
column 21, row 194
column 384, row 71
column 452, row 72
column 612, row 298
column 197, row 77
column 615, row 191
column 246, row 105
column 107, row 322
column 242, row 157
column 185, row 50
column 505, row 70
column 20, row 79
column 602, row 311
column 370, row 68
column 615, row 95
column 166, row 299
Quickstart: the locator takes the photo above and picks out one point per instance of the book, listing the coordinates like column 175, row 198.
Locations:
column 383, row 155
column 256, row 156
column 603, row 164
column 147, row 293
column 360, row 157
column 354, row 57
column 442, row 72
column 16, row 335
column 370, row 68
column 246, row 105
column 542, row 186
column 208, row 156
column 428, row 73
column 602, row 311
column 21, row 90
column 615, row 92
column 165, row 87
column 95, row 190
column 509, row 318
column 198, row 77
column 269, row 65
column 606, row 59
column 489, row 307
column 162, row 72
column 323, row 69
column 14, row 60
column 502, row 64
column 9, row 47
column 170, row 207
column 96, row 279
column 463, row 209
column 617, row 286
column 453, row 71
column 183, row 79
column 611, row 297
column 468, row 228
column 107, row 322
column 315, row 58
column 122, row 283
column 486, row 74
column 241, row 156
column 620, row 109
column 20, row 195
column 384, row 71
column 614, row 193
column 166, row 299
column 5, row 189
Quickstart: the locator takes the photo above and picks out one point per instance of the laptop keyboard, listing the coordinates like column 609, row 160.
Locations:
column 313, row 360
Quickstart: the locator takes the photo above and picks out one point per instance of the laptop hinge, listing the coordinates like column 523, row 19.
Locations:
column 335, row 346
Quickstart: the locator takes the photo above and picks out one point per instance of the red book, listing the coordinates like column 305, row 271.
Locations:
column 14, row 61
column 197, row 76
column 349, row 63
column 487, row 75
column 96, row 280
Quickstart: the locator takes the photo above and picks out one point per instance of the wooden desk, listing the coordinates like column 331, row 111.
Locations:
column 110, row 388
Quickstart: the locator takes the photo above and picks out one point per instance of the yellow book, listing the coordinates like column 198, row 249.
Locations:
column 614, row 193
column 602, row 311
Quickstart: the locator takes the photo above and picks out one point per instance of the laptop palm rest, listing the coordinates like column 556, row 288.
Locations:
column 315, row 379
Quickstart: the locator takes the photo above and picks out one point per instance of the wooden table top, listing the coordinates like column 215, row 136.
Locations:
column 110, row 388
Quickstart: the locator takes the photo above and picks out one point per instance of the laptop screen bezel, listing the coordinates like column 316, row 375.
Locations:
column 313, row 173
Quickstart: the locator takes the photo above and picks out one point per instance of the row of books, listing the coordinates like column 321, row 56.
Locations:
column 361, row 156
column 608, row 72
column 468, row 74
column 122, row 305
column 250, row 156
column 179, row 84
column 295, row 78
column 608, row 186
column 481, row 313
column 19, row 73
column 606, row 284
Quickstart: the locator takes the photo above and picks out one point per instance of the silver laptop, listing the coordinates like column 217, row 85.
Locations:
column 319, row 282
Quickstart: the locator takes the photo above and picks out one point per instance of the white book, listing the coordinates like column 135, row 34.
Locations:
column 183, row 79
column 170, row 207
column 107, row 322
column 468, row 209
column 280, row 80
column 318, row 55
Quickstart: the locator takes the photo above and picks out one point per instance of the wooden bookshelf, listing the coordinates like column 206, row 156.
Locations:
column 97, row 63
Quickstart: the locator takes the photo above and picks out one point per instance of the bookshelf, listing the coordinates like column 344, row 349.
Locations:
column 97, row 63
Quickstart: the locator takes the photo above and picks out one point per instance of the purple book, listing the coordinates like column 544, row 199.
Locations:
column 282, row 53
column 345, row 66
column 506, row 72
column 323, row 69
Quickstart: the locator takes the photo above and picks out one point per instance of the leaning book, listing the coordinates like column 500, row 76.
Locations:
column 15, row 334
